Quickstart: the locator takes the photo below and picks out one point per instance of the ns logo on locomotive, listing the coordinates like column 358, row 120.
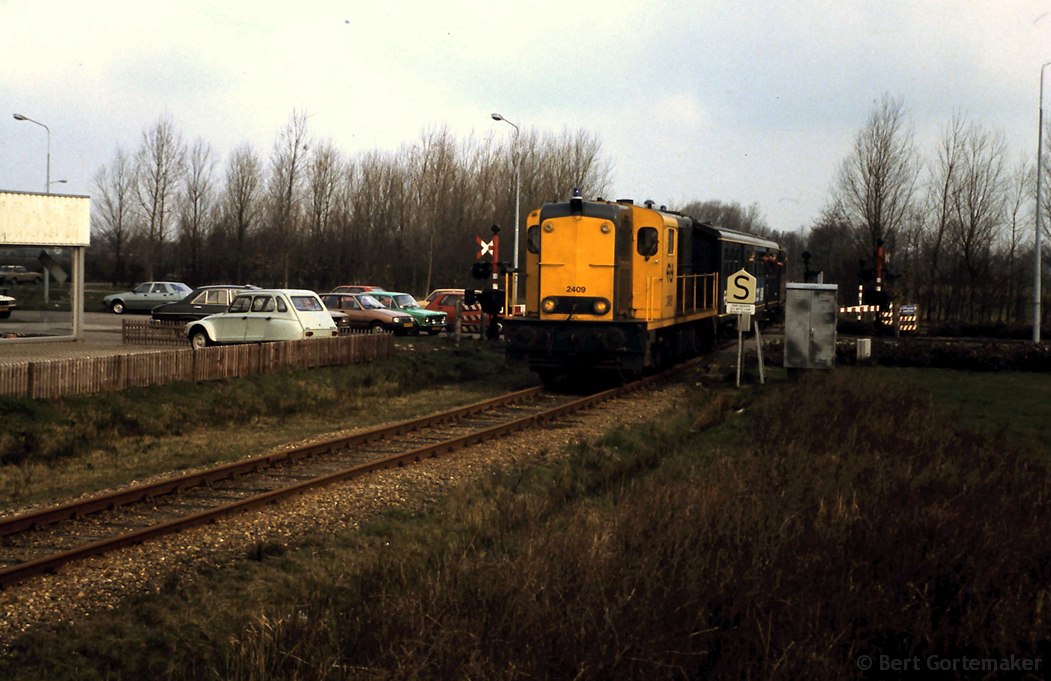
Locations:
column 613, row 288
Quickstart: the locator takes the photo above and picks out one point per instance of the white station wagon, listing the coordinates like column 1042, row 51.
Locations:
column 259, row 316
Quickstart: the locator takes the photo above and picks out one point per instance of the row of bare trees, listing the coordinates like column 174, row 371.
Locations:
column 310, row 216
column 959, row 225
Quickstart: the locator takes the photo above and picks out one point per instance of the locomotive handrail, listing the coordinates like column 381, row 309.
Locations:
column 708, row 292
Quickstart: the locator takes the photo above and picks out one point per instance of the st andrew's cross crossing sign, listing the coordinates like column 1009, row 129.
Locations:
column 486, row 247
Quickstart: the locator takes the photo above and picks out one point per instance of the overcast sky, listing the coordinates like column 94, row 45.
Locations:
column 753, row 102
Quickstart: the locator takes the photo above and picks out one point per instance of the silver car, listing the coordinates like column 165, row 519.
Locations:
column 146, row 296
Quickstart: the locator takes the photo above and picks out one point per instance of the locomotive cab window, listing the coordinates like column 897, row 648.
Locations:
column 647, row 241
column 533, row 239
column 671, row 242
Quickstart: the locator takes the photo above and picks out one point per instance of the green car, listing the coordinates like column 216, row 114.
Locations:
column 431, row 321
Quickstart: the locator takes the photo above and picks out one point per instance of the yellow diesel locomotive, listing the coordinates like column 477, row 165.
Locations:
column 614, row 288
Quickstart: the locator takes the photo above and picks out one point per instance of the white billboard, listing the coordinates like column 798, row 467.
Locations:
column 44, row 219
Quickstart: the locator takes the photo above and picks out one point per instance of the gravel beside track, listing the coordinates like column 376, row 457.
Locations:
column 100, row 584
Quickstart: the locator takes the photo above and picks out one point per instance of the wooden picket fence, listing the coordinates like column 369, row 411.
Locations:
column 46, row 379
column 153, row 332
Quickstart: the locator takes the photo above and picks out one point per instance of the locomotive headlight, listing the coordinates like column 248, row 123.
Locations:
column 549, row 305
column 600, row 306
column 548, row 227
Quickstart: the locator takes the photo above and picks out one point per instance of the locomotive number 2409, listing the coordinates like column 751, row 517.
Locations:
column 576, row 289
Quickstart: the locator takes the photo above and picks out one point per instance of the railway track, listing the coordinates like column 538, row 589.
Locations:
column 42, row 541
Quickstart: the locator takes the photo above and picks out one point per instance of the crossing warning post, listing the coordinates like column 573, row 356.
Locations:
column 740, row 300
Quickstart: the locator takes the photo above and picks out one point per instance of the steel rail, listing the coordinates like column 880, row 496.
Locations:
column 47, row 564
column 147, row 491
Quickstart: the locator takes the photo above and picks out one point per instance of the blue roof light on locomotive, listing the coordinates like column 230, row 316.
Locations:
column 616, row 287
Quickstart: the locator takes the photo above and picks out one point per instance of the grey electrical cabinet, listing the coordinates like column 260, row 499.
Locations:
column 810, row 326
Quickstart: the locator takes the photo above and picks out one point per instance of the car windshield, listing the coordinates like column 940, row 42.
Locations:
column 307, row 303
column 406, row 301
column 181, row 288
column 370, row 303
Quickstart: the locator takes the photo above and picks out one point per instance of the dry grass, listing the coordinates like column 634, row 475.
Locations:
column 834, row 518
column 60, row 448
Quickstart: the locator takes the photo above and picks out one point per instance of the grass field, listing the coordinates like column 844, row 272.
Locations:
column 794, row 531
column 59, row 448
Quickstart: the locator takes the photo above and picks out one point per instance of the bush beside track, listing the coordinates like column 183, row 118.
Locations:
column 971, row 354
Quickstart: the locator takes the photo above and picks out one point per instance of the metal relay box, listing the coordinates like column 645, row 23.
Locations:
column 810, row 326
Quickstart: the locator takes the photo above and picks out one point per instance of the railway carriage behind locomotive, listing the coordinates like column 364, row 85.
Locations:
column 617, row 288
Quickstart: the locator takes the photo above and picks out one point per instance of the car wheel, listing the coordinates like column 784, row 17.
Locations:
column 117, row 307
column 376, row 327
column 199, row 339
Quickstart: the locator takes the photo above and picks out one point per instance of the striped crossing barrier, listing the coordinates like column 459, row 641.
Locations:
column 471, row 319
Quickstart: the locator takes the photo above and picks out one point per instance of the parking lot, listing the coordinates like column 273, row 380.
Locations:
column 101, row 336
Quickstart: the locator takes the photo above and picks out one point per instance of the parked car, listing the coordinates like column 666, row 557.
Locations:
column 146, row 296
column 429, row 321
column 447, row 300
column 264, row 315
column 17, row 274
column 201, row 302
column 7, row 303
column 342, row 322
column 365, row 312
column 356, row 288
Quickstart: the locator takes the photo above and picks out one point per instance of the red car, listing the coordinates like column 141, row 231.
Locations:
column 356, row 288
column 445, row 300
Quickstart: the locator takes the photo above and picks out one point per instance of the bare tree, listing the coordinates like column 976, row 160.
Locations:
column 432, row 172
column 324, row 175
column 558, row 165
column 877, row 181
column 287, row 170
column 378, row 244
column 979, row 202
column 197, row 204
column 940, row 214
column 1019, row 206
column 730, row 215
column 241, row 201
column 114, row 209
column 159, row 166
column 832, row 252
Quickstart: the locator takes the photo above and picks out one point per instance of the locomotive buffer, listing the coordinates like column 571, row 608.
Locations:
column 740, row 300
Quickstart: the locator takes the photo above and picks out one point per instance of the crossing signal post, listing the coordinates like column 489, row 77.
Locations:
column 491, row 299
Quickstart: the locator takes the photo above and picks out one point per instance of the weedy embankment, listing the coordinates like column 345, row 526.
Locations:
column 838, row 517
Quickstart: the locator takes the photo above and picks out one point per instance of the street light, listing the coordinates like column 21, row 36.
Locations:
column 518, row 187
column 1039, row 210
column 20, row 117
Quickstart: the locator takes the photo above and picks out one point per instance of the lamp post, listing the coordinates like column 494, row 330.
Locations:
column 518, row 187
column 20, row 117
column 1039, row 209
